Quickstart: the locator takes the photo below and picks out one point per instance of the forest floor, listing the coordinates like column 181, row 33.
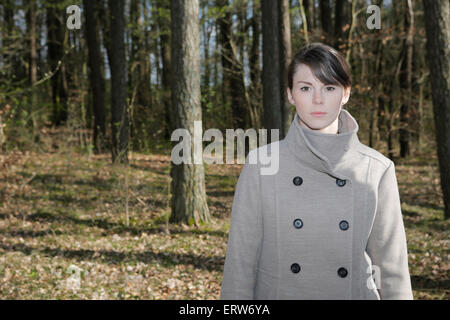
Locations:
column 64, row 232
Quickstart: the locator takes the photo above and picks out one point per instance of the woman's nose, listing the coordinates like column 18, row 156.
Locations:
column 317, row 98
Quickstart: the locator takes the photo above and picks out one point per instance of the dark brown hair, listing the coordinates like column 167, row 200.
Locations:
column 327, row 64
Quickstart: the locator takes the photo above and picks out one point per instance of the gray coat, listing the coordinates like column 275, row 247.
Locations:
column 327, row 225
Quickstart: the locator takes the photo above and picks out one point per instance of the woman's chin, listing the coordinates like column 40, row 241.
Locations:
column 317, row 124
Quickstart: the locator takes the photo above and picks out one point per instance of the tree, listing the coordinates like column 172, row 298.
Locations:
column 255, row 69
column 233, row 86
column 13, row 71
column 309, row 8
column 438, row 55
column 55, row 42
column 117, row 63
column 206, row 35
column 163, row 21
column 406, row 75
column 274, row 63
column 32, row 12
column 376, row 69
column 325, row 18
column 95, row 76
column 188, row 180
column 339, row 22
column 286, row 54
column 139, row 71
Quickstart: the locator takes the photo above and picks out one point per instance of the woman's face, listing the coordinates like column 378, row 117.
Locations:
column 310, row 95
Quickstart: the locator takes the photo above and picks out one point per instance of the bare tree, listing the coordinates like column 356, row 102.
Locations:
column 325, row 19
column 117, row 63
column 55, row 45
column 286, row 56
column 255, row 69
column 33, row 64
column 339, row 22
column 305, row 20
column 188, row 180
column 273, row 66
column 95, row 76
column 164, row 40
column 438, row 54
column 406, row 75
column 233, row 85
column 309, row 8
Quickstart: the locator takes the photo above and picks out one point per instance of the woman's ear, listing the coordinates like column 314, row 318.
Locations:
column 289, row 95
column 346, row 95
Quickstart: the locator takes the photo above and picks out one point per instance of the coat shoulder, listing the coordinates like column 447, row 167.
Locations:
column 374, row 154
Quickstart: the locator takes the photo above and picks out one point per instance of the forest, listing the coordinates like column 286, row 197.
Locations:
column 91, row 93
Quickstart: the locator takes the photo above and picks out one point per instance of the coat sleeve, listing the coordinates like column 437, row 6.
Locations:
column 387, row 242
column 244, row 238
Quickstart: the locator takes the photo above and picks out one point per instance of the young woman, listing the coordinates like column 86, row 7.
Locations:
column 328, row 224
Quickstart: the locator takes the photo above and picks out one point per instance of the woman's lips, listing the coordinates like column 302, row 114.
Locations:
column 318, row 114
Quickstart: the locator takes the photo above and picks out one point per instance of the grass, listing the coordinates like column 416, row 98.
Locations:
column 63, row 231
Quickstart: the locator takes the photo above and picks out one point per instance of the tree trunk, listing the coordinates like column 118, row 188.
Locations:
column 164, row 39
column 233, row 89
column 8, row 21
column 55, row 44
column 309, row 10
column 8, row 61
column 406, row 84
column 139, row 74
column 33, row 67
column 325, row 19
column 377, row 91
column 95, row 76
column 273, row 64
column 218, row 98
column 353, row 14
column 144, row 90
column 339, row 22
column 117, row 63
column 389, row 111
column 241, row 13
column 255, row 69
column 206, row 34
column 305, row 23
column 438, row 54
column 188, row 180
column 286, row 54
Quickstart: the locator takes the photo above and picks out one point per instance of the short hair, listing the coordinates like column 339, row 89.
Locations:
column 326, row 63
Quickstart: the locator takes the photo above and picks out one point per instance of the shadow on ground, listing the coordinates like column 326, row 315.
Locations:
column 166, row 259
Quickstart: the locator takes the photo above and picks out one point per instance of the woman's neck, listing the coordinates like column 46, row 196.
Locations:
column 331, row 129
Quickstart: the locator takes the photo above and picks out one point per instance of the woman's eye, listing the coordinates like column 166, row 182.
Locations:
column 304, row 88
column 330, row 88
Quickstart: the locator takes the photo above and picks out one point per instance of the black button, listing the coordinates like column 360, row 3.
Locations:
column 343, row 225
column 295, row 268
column 298, row 181
column 298, row 223
column 340, row 182
column 342, row 272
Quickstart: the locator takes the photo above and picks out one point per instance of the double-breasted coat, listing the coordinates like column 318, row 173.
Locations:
column 327, row 225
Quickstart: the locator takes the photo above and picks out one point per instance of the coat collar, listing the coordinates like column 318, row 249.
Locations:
column 324, row 151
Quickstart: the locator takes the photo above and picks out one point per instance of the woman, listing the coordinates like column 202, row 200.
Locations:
column 328, row 224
